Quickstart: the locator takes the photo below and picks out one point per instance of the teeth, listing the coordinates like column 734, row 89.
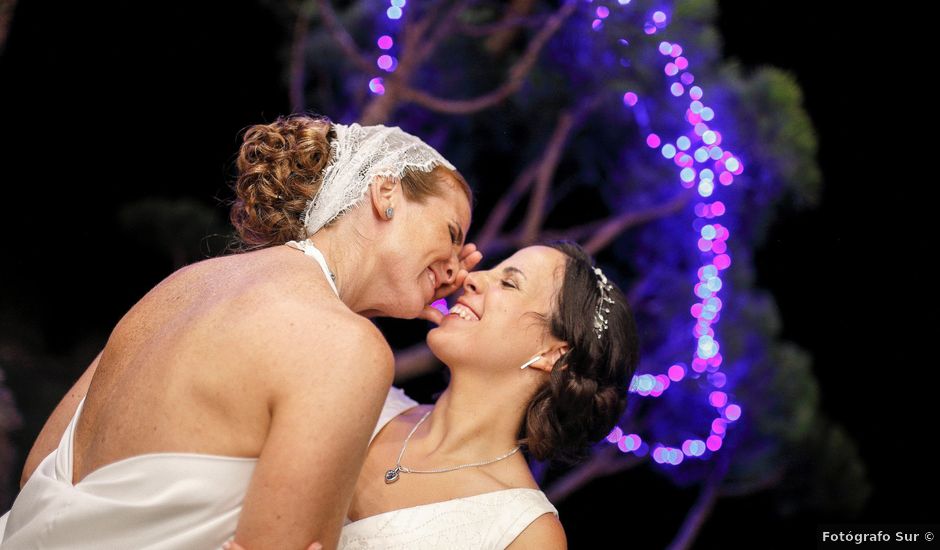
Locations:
column 464, row 312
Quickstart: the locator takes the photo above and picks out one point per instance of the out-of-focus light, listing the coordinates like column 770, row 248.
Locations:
column 385, row 42
column 630, row 99
column 376, row 86
column 393, row 12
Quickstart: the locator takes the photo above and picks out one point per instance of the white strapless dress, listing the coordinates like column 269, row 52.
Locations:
column 485, row 521
column 170, row 501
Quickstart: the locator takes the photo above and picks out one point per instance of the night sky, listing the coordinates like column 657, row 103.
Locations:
column 103, row 103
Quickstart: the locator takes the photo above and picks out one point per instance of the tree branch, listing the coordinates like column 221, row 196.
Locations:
column 606, row 461
column 502, row 25
column 6, row 17
column 504, row 206
column 703, row 505
column 517, row 74
column 342, row 37
column 614, row 226
column 413, row 361
column 298, row 53
column 441, row 30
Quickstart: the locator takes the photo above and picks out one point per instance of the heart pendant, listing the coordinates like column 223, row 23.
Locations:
column 391, row 476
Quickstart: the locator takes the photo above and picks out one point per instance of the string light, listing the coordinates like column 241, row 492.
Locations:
column 707, row 158
column 711, row 237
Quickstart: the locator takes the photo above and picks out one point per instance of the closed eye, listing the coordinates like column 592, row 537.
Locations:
column 454, row 237
column 509, row 283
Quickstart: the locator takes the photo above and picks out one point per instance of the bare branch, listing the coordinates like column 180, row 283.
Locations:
column 704, row 504
column 543, row 168
column 544, row 176
column 605, row 461
column 6, row 17
column 413, row 362
column 343, row 38
column 744, row 489
column 531, row 21
column 517, row 74
column 298, row 52
column 504, row 206
column 442, row 29
column 616, row 225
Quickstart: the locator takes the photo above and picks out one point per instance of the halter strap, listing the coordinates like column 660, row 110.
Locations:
column 309, row 249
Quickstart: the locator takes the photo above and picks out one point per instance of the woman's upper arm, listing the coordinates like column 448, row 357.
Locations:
column 545, row 533
column 52, row 431
column 327, row 399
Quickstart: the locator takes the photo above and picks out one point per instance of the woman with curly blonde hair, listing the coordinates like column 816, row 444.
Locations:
column 238, row 395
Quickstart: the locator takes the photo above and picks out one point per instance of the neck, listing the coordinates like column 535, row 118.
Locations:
column 474, row 419
column 348, row 258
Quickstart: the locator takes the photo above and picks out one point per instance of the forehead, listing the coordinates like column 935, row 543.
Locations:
column 541, row 265
column 453, row 204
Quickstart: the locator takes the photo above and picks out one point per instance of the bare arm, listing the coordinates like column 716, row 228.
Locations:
column 545, row 533
column 52, row 431
column 326, row 404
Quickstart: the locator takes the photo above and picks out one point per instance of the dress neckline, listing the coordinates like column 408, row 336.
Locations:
column 309, row 249
column 448, row 501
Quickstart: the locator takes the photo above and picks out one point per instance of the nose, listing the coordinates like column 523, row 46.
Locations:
column 475, row 282
column 450, row 268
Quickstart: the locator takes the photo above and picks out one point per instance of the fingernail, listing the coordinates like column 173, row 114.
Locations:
column 227, row 545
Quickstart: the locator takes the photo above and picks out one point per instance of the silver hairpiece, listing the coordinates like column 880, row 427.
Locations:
column 601, row 311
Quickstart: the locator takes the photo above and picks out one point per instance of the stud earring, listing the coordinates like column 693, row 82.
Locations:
column 530, row 361
column 389, row 212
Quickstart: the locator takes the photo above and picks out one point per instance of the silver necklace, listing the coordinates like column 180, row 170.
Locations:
column 391, row 476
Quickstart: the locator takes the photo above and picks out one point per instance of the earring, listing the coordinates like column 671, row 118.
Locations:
column 530, row 361
column 389, row 212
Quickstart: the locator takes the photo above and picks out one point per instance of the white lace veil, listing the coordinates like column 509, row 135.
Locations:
column 357, row 156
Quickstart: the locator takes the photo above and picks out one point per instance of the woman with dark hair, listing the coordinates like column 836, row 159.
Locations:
column 232, row 380
column 541, row 350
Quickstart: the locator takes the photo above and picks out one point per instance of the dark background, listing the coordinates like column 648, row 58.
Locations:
column 104, row 103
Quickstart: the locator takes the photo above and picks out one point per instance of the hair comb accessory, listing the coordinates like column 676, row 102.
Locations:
column 601, row 311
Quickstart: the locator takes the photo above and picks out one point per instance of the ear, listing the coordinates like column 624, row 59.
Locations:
column 550, row 356
column 385, row 193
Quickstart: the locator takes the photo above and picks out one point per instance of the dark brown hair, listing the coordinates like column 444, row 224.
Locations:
column 280, row 167
column 586, row 392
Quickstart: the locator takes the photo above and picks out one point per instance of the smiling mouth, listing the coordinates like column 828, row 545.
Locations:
column 464, row 312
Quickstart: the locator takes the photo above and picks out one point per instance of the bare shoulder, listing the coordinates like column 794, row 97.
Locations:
column 546, row 532
column 301, row 336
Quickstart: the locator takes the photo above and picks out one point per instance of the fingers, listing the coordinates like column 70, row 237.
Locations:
column 467, row 249
column 471, row 260
column 432, row 314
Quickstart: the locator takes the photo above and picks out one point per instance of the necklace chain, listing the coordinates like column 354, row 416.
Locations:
column 391, row 476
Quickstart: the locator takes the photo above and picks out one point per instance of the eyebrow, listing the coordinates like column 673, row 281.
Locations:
column 511, row 269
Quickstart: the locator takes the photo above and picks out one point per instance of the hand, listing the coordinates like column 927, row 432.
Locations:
column 469, row 258
column 232, row 545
